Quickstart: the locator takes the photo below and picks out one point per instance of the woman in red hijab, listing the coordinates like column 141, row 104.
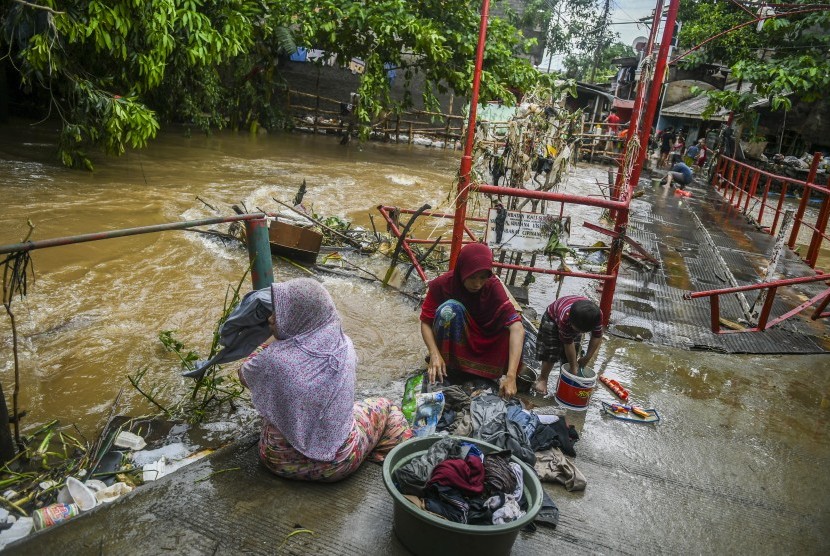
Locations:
column 470, row 326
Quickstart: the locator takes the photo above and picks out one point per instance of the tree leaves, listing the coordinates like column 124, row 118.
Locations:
column 790, row 56
column 113, row 69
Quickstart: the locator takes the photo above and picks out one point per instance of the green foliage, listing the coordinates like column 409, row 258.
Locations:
column 573, row 26
column 788, row 59
column 113, row 70
column 98, row 64
column 578, row 65
column 434, row 38
column 212, row 391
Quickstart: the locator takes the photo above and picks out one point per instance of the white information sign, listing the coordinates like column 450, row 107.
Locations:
column 525, row 231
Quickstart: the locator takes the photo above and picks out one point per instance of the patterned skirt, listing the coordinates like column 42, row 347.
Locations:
column 378, row 427
column 464, row 346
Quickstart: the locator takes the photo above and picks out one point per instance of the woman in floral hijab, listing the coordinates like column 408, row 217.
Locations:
column 303, row 386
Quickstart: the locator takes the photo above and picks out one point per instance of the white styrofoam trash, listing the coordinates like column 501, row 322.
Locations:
column 82, row 495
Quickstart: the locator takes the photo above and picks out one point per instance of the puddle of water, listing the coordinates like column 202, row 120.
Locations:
column 637, row 305
column 634, row 332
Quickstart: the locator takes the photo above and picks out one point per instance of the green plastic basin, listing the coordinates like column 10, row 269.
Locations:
column 425, row 534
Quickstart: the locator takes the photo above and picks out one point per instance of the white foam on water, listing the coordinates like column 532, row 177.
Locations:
column 172, row 452
column 399, row 179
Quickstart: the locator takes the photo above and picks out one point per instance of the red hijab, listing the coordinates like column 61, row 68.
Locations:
column 490, row 306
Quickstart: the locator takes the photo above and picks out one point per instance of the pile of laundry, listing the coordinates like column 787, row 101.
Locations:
column 544, row 442
column 455, row 480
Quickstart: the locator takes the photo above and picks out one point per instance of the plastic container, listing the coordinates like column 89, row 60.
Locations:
column 129, row 440
column 112, row 493
column 54, row 514
column 574, row 392
column 425, row 534
column 19, row 529
column 81, row 494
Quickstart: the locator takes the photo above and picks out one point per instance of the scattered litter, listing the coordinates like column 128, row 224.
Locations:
column 19, row 529
column 95, row 485
column 53, row 514
column 129, row 440
column 112, row 493
column 631, row 413
column 81, row 494
column 63, row 496
column 165, row 465
column 615, row 387
column 154, row 470
column 175, row 451
column 428, row 409
column 46, row 485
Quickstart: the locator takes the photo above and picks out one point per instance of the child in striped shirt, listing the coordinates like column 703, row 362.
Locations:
column 560, row 335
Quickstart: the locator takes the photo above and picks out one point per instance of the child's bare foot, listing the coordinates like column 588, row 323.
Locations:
column 541, row 386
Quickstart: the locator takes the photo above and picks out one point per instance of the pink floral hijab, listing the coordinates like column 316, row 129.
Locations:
column 303, row 383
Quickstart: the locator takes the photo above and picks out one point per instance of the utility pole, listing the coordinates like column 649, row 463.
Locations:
column 600, row 41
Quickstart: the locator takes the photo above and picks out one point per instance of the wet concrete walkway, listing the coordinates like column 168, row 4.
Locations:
column 690, row 236
column 737, row 465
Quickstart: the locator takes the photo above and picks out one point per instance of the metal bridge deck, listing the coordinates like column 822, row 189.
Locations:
column 649, row 303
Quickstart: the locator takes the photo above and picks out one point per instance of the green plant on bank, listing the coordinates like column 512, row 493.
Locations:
column 210, row 393
column 48, row 456
column 112, row 72
column 554, row 228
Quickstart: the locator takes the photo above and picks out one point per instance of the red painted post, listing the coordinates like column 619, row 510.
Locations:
column 805, row 198
column 818, row 232
column 730, row 178
column 714, row 309
column 467, row 158
column 734, row 185
column 753, row 187
column 635, row 123
column 778, row 207
column 615, row 254
column 740, row 186
column 717, row 177
column 765, row 310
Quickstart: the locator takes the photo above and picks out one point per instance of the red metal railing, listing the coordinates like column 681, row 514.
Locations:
column 742, row 184
column 386, row 212
column 763, row 317
column 648, row 96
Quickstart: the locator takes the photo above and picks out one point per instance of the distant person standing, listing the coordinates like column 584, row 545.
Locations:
column 701, row 154
column 612, row 127
column 612, row 122
column 678, row 148
column 691, row 155
column 679, row 173
column 666, row 142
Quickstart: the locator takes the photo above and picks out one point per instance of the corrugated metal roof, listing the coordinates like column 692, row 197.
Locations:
column 693, row 108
